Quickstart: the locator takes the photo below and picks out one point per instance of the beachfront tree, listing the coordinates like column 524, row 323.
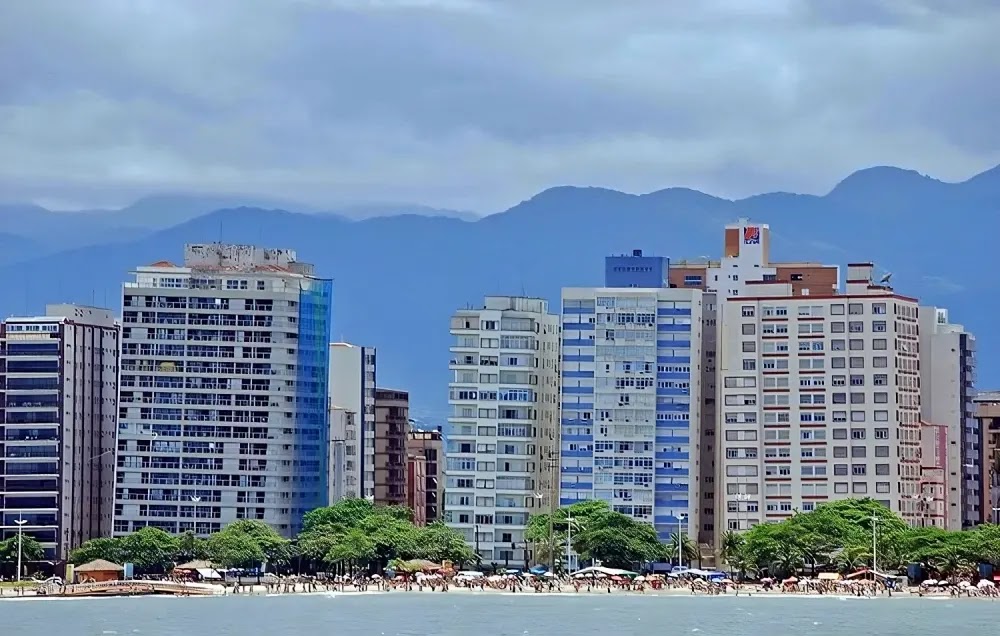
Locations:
column 689, row 548
column 190, row 548
column 150, row 550
column 105, row 548
column 31, row 549
column 248, row 543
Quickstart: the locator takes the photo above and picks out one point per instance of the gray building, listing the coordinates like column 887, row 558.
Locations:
column 223, row 410
column 59, row 382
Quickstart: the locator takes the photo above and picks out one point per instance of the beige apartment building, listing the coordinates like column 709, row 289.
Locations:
column 818, row 398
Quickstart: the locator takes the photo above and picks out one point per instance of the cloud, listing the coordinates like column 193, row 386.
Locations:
column 479, row 103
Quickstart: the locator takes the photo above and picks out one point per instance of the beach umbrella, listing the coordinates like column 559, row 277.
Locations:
column 984, row 583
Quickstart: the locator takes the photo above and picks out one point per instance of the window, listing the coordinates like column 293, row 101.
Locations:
column 840, row 398
column 859, row 470
column 882, row 487
column 748, row 311
column 840, row 488
column 857, row 398
column 857, row 433
column 836, row 310
column 749, row 364
column 838, row 345
column 878, row 326
column 749, row 329
column 880, row 379
column 857, row 344
column 881, row 451
column 882, row 469
column 881, row 397
column 857, row 362
column 882, row 416
column 857, row 380
column 881, row 433
column 880, row 362
column 856, row 326
column 840, row 469
column 840, row 433
column 840, row 452
column 880, row 344
column 856, row 309
column 859, row 488
column 859, row 452
column 857, row 416
column 837, row 327
column 749, row 346
column 838, row 363
column 878, row 308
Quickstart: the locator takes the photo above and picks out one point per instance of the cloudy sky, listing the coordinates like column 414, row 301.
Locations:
column 477, row 104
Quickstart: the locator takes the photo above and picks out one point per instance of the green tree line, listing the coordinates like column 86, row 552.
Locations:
column 352, row 535
column 838, row 536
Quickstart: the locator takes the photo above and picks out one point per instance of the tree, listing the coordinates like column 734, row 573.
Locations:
column 190, row 548
column 31, row 549
column 150, row 549
column 438, row 543
column 684, row 545
column 247, row 543
column 600, row 533
column 106, row 548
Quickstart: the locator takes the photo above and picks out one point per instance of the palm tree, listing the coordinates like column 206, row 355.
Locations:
column 732, row 544
column 951, row 563
column 789, row 562
column 853, row 558
column 688, row 548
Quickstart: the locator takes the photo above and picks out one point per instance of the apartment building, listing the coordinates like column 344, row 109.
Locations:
column 416, row 487
column 987, row 409
column 429, row 445
column 352, row 388
column 223, row 403
column 59, row 389
column 392, row 421
column 631, row 396
column 746, row 258
column 344, row 454
column 820, row 400
column 502, row 437
column 951, row 489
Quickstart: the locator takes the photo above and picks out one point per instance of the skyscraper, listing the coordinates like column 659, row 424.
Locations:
column 631, row 397
column 501, row 440
column 819, row 400
column 59, row 381
column 352, row 388
column 392, row 421
column 223, row 409
column 947, row 388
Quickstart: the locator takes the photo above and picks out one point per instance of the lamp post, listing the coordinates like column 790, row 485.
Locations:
column 551, row 553
column 680, row 538
column 874, row 546
column 20, row 525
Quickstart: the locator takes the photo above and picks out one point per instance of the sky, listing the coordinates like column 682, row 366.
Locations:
column 478, row 104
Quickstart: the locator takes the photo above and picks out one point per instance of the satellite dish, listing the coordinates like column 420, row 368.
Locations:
column 885, row 279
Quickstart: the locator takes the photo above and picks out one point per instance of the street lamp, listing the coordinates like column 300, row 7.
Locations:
column 681, row 518
column 540, row 496
column 20, row 525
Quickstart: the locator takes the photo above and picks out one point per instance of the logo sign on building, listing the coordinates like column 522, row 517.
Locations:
column 751, row 235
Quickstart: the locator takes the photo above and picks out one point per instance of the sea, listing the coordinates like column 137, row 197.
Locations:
column 491, row 614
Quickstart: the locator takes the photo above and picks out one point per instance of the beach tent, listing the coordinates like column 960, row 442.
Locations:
column 98, row 571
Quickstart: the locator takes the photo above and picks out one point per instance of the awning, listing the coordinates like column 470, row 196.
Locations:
column 206, row 573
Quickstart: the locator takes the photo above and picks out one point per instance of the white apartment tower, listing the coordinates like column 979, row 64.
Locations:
column 502, row 435
column 951, row 484
column 819, row 399
column 223, row 403
column 352, row 389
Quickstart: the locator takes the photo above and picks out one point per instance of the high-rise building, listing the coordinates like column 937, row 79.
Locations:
column 392, row 421
column 819, row 400
column 416, row 487
column 343, row 473
column 59, row 383
column 947, row 389
column 501, row 443
column 429, row 445
column 223, row 407
column 746, row 257
column 632, row 398
column 352, row 388
column 987, row 404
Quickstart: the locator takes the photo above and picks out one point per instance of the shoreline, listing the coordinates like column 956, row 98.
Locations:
column 569, row 592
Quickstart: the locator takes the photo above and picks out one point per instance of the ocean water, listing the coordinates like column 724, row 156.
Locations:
column 464, row 614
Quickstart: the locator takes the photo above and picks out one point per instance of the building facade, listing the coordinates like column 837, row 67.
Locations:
column 631, row 402
column 987, row 405
column 416, row 487
column 352, row 388
column 819, row 400
column 344, row 453
column 392, row 421
column 59, row 382
column 502, row 438
column 223, row 404
column 947, row 389
column 429, row 445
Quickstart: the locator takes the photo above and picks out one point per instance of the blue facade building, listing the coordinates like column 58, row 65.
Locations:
column 648, row 272
column 631, row 400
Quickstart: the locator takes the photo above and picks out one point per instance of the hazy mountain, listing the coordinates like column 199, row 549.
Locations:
column 397, row 279
column 53, row 230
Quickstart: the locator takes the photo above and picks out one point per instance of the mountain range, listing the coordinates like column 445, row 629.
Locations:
column 398, row 277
